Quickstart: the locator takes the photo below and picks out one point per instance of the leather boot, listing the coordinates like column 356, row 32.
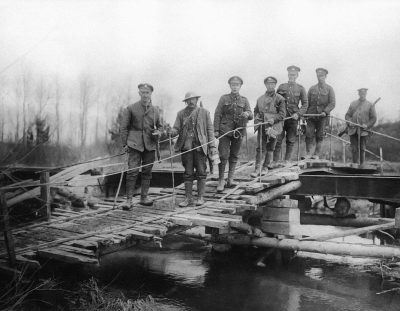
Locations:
column 127, row 205
column 221, row 180
column 144, row 200
column 231, row 173
column 201, row 187
column 188, row 194
column 309, row 146
column 256, row 171
column 130, row 189
column 268, row 161
column 289, row 151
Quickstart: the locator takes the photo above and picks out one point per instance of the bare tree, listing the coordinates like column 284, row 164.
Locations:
column 85, row 99
column 42, row 96
column 57, row 100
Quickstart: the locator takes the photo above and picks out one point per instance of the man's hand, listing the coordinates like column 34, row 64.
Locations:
column 295, row 116
column 125, row 148
column 270, row 121
column 156, row 133
column 364, row 126
column 323, row 114
column 216, row 134
column 244, row 115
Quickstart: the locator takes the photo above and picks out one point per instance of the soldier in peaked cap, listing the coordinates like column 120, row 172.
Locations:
column 233, row 112
column 140, row 129
column 293, row 93
column 362, row 112
column 321, row 100
column 196, row 137
column 271, row 110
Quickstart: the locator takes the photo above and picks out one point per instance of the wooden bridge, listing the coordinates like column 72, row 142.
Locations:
column 257, row 212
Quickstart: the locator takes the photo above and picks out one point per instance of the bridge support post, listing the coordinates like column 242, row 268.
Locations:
column 5, row 226
column 45, row 192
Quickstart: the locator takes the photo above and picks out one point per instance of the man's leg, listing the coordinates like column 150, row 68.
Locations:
column 134, row 160
column 310, row 134
column 319, row 133
column 188, row 176
column 200, row 162
column 148, row 158
column 223, row 150
column 236, row 143
column 291, row 131
column 354, row 147
column 260, row 150
column 279, row 140
column 270, row 146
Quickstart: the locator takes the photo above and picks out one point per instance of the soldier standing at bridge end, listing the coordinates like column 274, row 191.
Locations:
column 294, row 93
column 233, row 112
column 321, row 101
column 362, row 112
column 140, row 130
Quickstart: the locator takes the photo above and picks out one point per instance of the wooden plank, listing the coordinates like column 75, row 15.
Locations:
column 45, row 192
column 281, row 214
column 206, row 221
column 397, row 218
column 65, row 256
column 282, row 203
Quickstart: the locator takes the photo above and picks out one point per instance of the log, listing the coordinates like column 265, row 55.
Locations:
column 45, row 192
column 328, row 220
column 273, row 193
column 72, row 197
column 5, row 226
column 334, row 248
column 357, row 231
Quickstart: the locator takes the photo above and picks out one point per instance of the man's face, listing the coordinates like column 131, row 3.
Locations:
column 235, row 87
column 192, row 102
column 292, row 76
column 270, row 86
column 362, row 94
column 145, row 94
column 321, row 76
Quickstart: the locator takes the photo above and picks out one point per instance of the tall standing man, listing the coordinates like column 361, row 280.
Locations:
column 293, row 93
column 270, row 109
column 362, row 112
column 140, row 130
column 233, row 112
column 321, row 100
column 196, row 141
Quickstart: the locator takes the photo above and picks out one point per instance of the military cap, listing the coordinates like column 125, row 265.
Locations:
column 235, row 78
column 270, row 79
column 190, row 95
column 293, row 68
column 146, row 86
column 362, row 89
column 321, row 69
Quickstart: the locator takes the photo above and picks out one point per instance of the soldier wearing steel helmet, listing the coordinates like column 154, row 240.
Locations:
column 196, row 141
column 294, row 94
column 233, row 112
column 140, row 129
column 321, row 100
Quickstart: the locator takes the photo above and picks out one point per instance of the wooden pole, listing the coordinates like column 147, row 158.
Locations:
column 330, row 138
column 45, row 192
column 381, row 159
column 344, row 151
column 8, row 239
column 325, row 247
column 328, row 220
column 273, row 193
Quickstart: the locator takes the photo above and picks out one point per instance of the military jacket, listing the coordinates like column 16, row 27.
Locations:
column 270, row 106
column 227, row 115
column 294, row 93
column 362, row 113
column 321, row 99
column 138, row 123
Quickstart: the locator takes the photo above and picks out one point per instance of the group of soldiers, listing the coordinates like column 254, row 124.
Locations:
column 276, row 116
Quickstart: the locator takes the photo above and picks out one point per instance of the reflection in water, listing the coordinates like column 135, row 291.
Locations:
column 192, row 278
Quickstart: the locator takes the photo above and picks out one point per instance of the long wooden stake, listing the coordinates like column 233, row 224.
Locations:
column 45, row 192
column 8, row 239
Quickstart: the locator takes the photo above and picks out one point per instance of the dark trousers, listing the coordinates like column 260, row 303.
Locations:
column 135, row 159
column 192, row 160
column 315, row 128
column 290, row 132
column 229, row 148
column 265, row 147
column 355, row 147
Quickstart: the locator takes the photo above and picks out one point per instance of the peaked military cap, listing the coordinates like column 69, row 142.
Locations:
column 146, row 86
column 235, row 78
column 321, row 69
column 362, row 89
column 270, row 79
column 293, row 68
column 190, row 95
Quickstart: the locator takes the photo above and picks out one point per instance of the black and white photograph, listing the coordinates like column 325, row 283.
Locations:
column 200, row 155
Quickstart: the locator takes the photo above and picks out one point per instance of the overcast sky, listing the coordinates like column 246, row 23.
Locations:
column 182, row 45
